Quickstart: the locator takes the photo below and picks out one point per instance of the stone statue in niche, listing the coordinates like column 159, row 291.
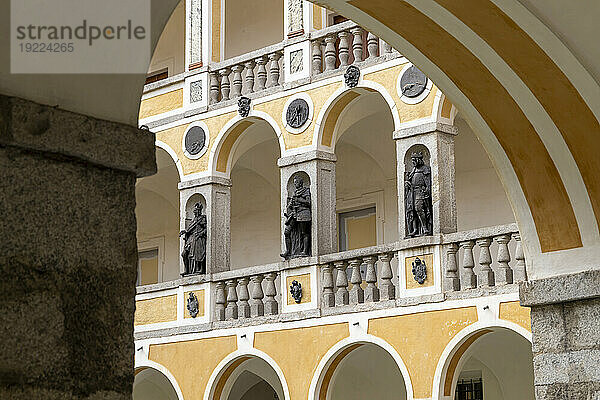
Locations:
column 417, row 198
column 298, row 218
column 194, row 248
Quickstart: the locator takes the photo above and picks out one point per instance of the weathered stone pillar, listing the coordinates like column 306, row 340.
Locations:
column 438, row 141
column 565, row 323
column 68, row 256
column 320, row 169
column 215, row 195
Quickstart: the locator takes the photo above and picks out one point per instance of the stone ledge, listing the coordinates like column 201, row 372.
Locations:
column 560, row 289
column 45, row 129
column 425, row 128
column 205, row 180
column 304, row 157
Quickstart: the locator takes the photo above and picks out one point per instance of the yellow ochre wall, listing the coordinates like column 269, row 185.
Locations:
column 274, row 108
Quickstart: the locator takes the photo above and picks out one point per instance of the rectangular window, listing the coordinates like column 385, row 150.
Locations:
column 148, row 267
column 357, row 229
column 157, row 76
column 469, row 389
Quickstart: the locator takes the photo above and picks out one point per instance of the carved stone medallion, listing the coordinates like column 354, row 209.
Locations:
column 297, row 113
column 419, row 270
column 192, row 305
column 296, row 291
column 243, row 106
column 413, row 82
column 352, row 76
column 194, row 140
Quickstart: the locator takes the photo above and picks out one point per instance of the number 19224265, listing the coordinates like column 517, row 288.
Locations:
column 46, row 47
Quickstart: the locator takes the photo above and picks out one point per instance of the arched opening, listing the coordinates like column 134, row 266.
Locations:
column 252, row 25
column 255, row 194
column 490, row 364
column 157, row 215
column 362, row 371
column 366, row 184
column 150, row 384
column 248, row 378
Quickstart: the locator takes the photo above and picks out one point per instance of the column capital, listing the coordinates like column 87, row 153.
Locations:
column 205, row 180
column 307, row 156
column 425, row 128
column 46, row 129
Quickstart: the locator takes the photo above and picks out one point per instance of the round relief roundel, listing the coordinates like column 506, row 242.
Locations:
column 194, row 140
column 413, row 82
column 297, row 113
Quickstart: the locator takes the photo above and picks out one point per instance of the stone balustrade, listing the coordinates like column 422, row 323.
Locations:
column 336, row 47
column 464, row 263
column 483, row 258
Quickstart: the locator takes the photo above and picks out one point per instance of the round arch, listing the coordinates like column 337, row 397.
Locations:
column 337, row 352
column 147, row 364
column 457, row 351
column 162, row 145
column 220, row 159
column 325, row 132
column 227, row 367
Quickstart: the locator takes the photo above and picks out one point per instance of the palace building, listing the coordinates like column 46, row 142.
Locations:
column 307, row 200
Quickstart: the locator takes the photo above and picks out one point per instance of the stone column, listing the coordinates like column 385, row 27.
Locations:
column 193, row 11
column 69, row 253
column 216, row 193
column 565, row 327
column 320, row 168
column 439, row 141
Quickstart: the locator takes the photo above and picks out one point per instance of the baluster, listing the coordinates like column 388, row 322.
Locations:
column 225, row 85
column 257, row 307
column 220, row 301
column 249, row 79
column 357, row 44
column 236, row 90
column 520, row 270
column 328, row 295
column 357, row 294
column 344, row 48
column 371, row 291
column 261, row 73
column 317, row 57
column 214, row 88
column 270, row 293
column 372, row 45
column 387, row 48
column 341, row 282
column 504, row 274
column 330, row 56
column 244, row 296
column 274, row 69
column 468, row 279
column 486, row 274
column 231, row 311
column 387, row 289
column 452, row 278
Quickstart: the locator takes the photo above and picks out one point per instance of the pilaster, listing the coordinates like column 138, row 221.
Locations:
column 215, row 195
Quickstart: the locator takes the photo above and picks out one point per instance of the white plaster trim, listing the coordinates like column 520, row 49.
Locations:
column 151, row 244
column 154, row 295
column 311, row 109
column 442, row 365
column 252, row 352
column 220, row 139
column 314, row 290
column 438, row 107
column 326, row 108
column 204, row 127
column 157, row 117
column 206, row 31
column 173, row 155
column 317, row 379
column 436, row 269
column 162, row 90
column 158, row 367
column 306, row 58
column 412, row 100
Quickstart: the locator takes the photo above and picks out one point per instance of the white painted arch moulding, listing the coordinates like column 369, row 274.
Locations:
column 357, row 338
column 457, row 341
column 326, row 108
column 246, row 352
column 160, row 368
column 173, row 155
column 224, row 133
